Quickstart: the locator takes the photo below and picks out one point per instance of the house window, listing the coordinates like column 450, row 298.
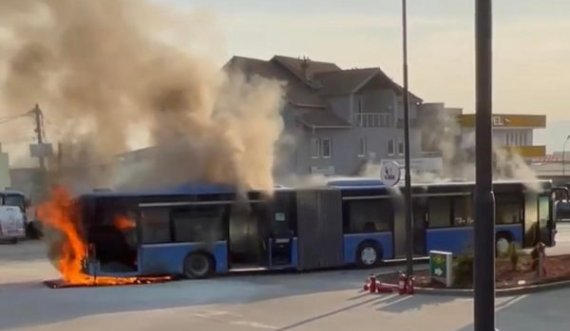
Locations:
column 400, row 147
column 315, row 148
column 326, row 148
column 391, row 146
column 363, row 147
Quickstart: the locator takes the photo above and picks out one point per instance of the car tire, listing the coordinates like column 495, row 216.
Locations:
column 198, row 266
column 369, row 254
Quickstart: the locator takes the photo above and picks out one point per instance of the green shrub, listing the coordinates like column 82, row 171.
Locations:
column 463, row 271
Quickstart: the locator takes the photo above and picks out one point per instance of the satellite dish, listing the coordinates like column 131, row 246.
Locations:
column 390, row 173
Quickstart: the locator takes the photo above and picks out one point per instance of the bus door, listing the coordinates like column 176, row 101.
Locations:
column 546, row 223
column 419, row 215
column 280, row 239
column 248, row 232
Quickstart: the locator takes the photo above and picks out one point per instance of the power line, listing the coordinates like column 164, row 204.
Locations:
column 14, row 142
column 7, row 119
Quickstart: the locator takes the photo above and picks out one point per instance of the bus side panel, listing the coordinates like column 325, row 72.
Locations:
column 456, row 240
column 160, row 259
column 459, row 240
column 351, row 242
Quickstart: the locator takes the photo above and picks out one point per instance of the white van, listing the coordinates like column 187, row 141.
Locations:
column 12, row 224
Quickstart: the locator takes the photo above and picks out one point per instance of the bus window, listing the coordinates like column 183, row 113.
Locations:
column 155, row 226
column 508, row 209
column 439, row 212
column 370, row 216
column 462, row 211
column 198, row 224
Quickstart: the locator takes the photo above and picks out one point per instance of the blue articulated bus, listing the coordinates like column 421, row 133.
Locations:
column 198, row 231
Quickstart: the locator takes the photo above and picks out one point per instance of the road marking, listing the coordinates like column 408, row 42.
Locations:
column 231, row 318
column 254, row 325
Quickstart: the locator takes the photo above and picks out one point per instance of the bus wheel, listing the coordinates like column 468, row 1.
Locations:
column 198, row 265
column 14, row 241
column 368, row 254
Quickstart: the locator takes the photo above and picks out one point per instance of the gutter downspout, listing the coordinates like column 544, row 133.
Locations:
column 351, row 108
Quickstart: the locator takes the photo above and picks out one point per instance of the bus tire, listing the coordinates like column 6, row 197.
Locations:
column 14, row 241
column 198, row 266
column 368, row 254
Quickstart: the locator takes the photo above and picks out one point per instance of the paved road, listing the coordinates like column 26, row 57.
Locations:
column 311, row 301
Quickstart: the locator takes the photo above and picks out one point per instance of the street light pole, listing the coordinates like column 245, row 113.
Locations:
column 484, row 262
column 408, row 180
column 564, row 156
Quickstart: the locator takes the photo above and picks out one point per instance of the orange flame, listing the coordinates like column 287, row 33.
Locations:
column 124, row 223
column 58, row 214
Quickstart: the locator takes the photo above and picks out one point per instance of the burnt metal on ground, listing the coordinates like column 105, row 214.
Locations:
column 60, row 283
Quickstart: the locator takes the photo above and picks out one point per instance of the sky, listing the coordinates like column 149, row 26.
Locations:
column 531, row 46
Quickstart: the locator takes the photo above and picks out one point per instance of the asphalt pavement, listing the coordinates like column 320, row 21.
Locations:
column 330, row 300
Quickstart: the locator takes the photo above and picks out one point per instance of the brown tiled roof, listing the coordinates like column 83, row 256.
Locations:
column 297, row 92
column 307, row 86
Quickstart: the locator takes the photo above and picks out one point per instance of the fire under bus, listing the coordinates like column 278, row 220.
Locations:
column 200, row 231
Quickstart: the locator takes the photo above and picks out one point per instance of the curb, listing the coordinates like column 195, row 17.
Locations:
column 499, row 292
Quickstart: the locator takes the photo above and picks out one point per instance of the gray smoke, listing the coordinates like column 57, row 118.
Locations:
column 103, row 69
column 444, row 135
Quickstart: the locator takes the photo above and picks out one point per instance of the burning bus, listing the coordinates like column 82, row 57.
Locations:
column 201, row 230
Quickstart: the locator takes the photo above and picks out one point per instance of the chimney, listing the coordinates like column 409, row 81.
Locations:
column 305, row 62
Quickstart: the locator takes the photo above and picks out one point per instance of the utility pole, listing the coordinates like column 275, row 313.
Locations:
column 408, row 180
column 38, row 116
column 484, row 261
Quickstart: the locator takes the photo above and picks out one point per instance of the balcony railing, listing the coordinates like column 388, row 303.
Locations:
column 374, row 120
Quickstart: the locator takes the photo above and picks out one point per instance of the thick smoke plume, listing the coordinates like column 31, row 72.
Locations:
column 443, row 134
column 103, row 70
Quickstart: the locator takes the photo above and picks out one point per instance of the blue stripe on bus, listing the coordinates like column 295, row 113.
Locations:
column 459, row 240
column 351, row 242
column 169, row 258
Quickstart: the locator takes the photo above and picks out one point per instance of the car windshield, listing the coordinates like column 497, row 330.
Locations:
column 14, row 200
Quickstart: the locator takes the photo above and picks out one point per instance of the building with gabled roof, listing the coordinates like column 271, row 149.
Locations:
column 341, row 119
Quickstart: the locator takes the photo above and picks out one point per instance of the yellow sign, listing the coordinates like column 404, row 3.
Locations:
column 528, row 152
column 507, row 121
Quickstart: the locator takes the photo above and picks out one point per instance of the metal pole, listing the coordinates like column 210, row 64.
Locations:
column 564, row 156
column 484, row 263
column 39, row 133
column 408, row 180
